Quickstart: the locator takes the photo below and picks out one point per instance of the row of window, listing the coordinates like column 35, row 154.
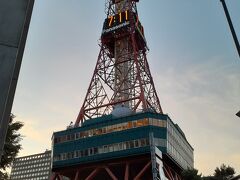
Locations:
column 109, row 148
column 48, row 154
column 16, row 168
column 32, row 178
column 178, row 156
column 174, row 137
column 179, row 137
column 181, row 147
column 110, row 129
column 24, row 173
column 178, row 147
column 32, row 161
column 29, row 170
column 32, row 175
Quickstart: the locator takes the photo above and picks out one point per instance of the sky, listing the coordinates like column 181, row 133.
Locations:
column 192, row 57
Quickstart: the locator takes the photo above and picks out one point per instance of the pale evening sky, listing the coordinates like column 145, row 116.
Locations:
column 192, row 58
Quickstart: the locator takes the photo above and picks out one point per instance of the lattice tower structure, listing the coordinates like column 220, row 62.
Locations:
column 122, row 76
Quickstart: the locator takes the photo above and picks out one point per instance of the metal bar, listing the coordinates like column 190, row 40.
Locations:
column 60, row 177
column 143, row 170
column 142, row 98
column 93, row 174
column 126, row 176
column 112, row 103
column 81, row 113
column 168, row 173
column 231, row 26
column 76, row 176
column 111, row 173
column 171, row 173
column 151, row 82
column 178, row 177
column 54, row 176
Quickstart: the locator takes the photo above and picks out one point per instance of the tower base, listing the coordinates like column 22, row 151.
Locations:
column 129, row 168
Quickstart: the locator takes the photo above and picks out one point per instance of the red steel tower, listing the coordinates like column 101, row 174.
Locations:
column 121, row 131
column 122, row 76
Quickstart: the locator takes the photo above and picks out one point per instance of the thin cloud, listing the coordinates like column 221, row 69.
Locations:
column 202, row 98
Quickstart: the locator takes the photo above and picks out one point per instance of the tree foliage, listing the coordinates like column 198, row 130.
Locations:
column 224, row 172
column 191, row 174
column 3, row 175
column 12, row 144
column 208, row 178
column 221, row 173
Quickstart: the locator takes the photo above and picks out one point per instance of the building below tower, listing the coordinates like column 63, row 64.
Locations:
column 112, row 142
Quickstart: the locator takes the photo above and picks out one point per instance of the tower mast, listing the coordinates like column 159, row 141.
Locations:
column 122, row 76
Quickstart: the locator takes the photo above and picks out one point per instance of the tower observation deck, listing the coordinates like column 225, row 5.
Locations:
column 121, row 131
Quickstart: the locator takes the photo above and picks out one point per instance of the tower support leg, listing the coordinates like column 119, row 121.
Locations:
column 77, row 176
column 93, row 174
column 126, row 172
column 143, row 170
column 56, row 176
column 111, row 173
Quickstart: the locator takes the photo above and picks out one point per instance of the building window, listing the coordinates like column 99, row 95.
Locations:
column 104, row 149
column 111, row 128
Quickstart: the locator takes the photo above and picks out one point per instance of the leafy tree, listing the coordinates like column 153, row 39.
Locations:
column 191, row 174
column 209, row 178
column 11, row 146
column 221, row 173
column 3, row 175
column 224, row 172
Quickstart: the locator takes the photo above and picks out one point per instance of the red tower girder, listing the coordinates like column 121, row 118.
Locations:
column 133, row 168
column 122, row 75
